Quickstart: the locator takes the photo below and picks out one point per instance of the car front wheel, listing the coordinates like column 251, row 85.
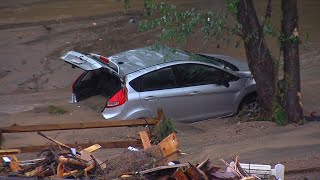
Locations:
column 249, row 108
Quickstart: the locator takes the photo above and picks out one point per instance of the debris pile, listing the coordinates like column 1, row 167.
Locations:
column 156, row 160
column 54, row 161
column 152, row 162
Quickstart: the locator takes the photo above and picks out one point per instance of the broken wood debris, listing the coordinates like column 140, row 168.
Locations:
column 104, row 145
column 154, row 161
column 63, row 163
column 10, row 151
column 57, row 162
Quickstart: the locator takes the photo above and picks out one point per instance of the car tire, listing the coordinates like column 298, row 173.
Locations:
column 249, row 107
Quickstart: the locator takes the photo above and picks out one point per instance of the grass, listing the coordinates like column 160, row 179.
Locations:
column 56, row 110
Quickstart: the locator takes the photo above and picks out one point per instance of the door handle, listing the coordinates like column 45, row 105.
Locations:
column 194, row 93
column 149, row 98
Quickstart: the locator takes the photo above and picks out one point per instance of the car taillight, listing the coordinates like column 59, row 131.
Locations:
column 104, row 59
column 118, row 99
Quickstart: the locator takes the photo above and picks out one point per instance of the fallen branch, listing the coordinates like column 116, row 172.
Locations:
column 55, row 141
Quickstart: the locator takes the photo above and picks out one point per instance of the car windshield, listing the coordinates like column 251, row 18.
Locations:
column 218, row 62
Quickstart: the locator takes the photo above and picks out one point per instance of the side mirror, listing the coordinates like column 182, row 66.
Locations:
column 224, row 83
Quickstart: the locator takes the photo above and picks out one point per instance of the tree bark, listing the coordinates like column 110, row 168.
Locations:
column 258, row 55
column 291, row 66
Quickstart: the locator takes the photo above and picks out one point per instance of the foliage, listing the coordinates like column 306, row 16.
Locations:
column 232, row 6
column 179, row 25
column 147, row 6
column 279, row 114
column 56, row 110
column 126, row 5
column 162, row 130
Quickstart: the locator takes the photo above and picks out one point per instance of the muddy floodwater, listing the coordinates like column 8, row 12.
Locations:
column 35, row 33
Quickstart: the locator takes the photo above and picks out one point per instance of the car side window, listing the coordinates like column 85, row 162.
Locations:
column 156, row 80
column 197, row 74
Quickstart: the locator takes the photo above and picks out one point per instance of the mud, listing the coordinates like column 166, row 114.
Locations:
column 34, row 33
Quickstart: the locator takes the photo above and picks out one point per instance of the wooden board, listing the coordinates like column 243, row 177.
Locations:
column 93, row 148
column 169, row 145
column 145, row 139
column 193, row 173
column 180, row 175
column 160, row 168
column 15, row 167
column 104, row 145
column 84, row 125
column 9, row 151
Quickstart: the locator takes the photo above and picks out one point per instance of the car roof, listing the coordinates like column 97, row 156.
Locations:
column 137, row 59
column 141, row 58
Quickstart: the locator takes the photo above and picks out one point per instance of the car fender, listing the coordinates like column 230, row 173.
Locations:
column 249, row 88
column 140, row 113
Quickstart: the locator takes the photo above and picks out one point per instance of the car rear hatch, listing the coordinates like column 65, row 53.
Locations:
column 101, row 77
column 90, row 61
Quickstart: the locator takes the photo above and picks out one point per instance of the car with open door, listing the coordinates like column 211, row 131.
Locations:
column 188, row 87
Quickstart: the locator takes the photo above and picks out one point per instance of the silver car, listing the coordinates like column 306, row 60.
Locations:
column 188, row 87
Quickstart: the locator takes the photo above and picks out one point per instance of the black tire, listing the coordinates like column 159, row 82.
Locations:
column 249, row 107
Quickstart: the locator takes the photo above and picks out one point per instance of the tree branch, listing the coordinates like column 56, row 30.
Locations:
column 267, row 15
column 234, row 31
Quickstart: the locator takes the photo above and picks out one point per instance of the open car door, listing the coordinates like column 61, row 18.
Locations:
column 101, row 75
column 89, row 62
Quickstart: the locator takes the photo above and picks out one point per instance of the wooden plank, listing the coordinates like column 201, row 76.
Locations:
column 194, row 173
column 160, row 168
column 145, row 139
column 83, row 125
column 104, row 145
column 93, row 148
column 9, row 151
column 72, row 162
column 88, row 169
column 15, row 167
column 180, row 175
column 86, row 156
column 13, row 157
column 60, row 170
column 169, row 145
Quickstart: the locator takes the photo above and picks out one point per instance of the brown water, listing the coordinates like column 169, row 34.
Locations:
column 37, row 10
column 22, row 11
column 29, row 63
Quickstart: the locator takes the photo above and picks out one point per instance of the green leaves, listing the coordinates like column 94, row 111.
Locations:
column 126, row 5
column 232, row 6
column 179, row 25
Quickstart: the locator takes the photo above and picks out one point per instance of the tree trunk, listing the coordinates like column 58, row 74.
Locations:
column 291, row 66
column 258, row 55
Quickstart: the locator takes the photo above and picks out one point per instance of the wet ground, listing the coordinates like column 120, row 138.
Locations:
column 34, row 33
